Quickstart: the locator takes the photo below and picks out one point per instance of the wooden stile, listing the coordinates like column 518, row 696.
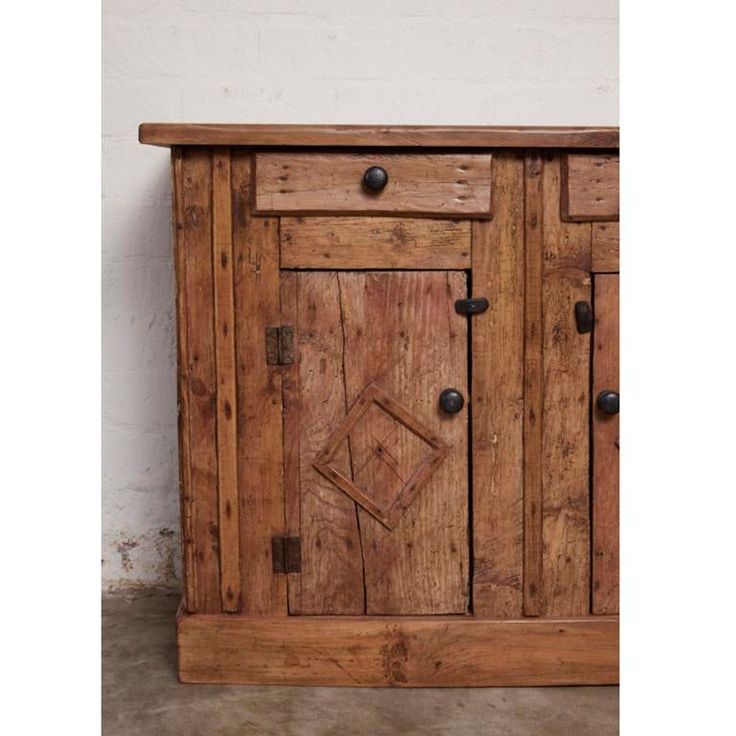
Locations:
column 533, row 383
column 201, row 381
column 605, row 448
column 498, row 397
column 565, row 411
column 259, row 420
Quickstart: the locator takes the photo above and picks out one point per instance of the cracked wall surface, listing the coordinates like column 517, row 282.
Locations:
column 285, row 61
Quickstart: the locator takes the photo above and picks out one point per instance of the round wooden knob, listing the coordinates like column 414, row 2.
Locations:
column 607, row 402
column 451, row 401
column 375, row 178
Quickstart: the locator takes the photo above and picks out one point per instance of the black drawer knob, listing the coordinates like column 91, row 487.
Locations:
column 451, row 401
column 607, row 402
column 375, row 178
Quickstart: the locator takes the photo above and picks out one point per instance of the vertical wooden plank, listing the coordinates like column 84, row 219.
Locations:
column 332, row 566
column 565, row 425
column 185, row 482
column 259, row 422
column 605, row 448
column 403, row 335
column 291, row 403
column 498, row 395
column 533, row 383
column 227, row 438
column 201, row 381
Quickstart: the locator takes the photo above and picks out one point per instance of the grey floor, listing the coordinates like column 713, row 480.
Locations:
column 141, row 696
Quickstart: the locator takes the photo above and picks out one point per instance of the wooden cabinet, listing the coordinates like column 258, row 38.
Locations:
column 383, row 482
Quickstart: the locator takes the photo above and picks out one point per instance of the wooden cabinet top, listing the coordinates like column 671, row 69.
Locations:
column 412, row 136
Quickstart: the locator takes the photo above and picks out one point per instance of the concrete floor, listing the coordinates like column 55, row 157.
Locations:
column 141, row 696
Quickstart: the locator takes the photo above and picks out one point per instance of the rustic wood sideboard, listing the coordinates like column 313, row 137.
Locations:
column 398, row 403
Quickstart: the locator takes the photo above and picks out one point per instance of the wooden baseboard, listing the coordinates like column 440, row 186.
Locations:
column 436, row 651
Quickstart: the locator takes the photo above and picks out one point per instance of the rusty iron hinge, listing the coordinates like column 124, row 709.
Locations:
column 287, row 554
column 583, row 317
column 280, row 345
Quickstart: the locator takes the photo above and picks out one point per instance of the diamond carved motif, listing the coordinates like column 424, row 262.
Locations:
column 392, row 455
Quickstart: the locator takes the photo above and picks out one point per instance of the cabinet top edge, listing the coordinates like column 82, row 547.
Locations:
column 472, row 136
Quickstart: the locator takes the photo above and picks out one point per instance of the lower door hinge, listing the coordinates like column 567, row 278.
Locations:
column 280, row 345
column 287, row 554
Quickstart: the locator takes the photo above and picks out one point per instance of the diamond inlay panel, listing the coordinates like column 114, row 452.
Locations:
column 392, row 455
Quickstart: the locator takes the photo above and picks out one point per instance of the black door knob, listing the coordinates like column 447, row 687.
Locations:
column 375, row 178
column 451, row 401
column 607, row 402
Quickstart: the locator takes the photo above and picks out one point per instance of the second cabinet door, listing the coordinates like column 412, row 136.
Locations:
column 376, row 473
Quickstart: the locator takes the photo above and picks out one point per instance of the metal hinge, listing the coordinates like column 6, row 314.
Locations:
column 583, row 317
column 286, row 553
column 280, row 345
column 471, row 306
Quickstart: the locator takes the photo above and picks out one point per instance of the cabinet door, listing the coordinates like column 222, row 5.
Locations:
column 376, row 473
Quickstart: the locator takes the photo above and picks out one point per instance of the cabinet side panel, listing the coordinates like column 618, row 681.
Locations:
column 200, row 375
column 227, row 470
column 185, row 481
column 497, row 394
column 605, row 448
column 259, row 422
column 565, row 411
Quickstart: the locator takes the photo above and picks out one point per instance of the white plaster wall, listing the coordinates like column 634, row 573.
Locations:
column 286, row 61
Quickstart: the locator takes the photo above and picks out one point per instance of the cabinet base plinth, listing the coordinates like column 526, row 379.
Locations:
column 386, row 651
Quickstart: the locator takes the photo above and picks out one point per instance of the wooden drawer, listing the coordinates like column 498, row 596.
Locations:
column 589, row 187
column 454, row 185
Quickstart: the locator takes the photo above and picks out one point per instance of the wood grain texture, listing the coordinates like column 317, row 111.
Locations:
column 186, row 504
column 402, row 333
column 498, row 396
column 259, row 421
column 605, row 448
column 377, row 136
column 227, row 433
column 449, row 184
column 565, row 417
column 605, row 248
column 397, row 652
column 332, row 567
column 360, row 242
column 533, row 383
column 589, row 187
column 397, row 331
column 201, row 381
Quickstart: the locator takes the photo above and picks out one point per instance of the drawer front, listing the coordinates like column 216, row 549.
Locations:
column 315, row 183
column 589, row 187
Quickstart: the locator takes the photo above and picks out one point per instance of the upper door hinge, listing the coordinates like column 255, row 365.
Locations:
column 286, row 553
column 583, row 317
column 280, row 345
